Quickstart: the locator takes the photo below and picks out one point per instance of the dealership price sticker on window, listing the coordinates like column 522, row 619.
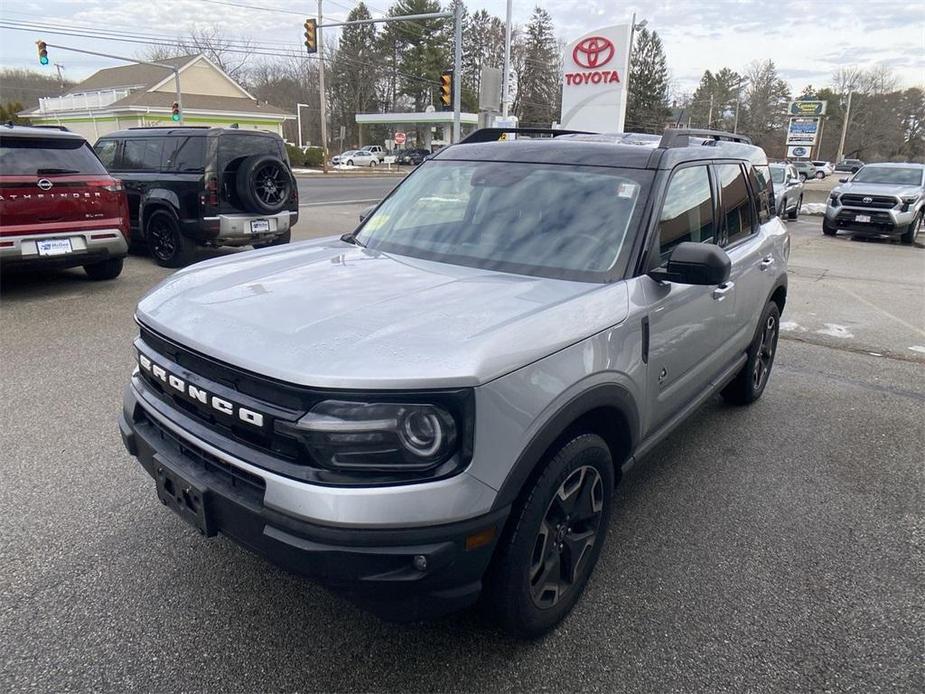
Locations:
column 594, row 80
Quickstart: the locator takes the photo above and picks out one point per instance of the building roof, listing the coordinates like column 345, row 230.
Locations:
column 132, row 75
column 196, row 102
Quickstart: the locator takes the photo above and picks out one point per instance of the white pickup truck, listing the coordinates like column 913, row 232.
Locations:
column 376, row 151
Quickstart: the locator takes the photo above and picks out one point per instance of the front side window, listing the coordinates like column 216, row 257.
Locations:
column 896, row 175
column 548, row 220
column 41, row 156
column 737, row 206
column 687, row 213
column 760, row 178
column 142, row 154
column 106, row 150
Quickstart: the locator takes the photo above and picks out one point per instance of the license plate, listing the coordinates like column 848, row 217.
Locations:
column 53, row 246
column 260, row 225
column 185, row 498
column 863, row 218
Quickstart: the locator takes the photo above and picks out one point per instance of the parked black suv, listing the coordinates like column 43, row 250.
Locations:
column 201, row 186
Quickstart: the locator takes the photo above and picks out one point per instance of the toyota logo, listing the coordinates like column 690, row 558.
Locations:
column 45, row 184
column 867, row 200
column 593, row 52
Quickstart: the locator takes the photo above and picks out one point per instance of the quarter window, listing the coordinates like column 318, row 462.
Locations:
column 106, row 150
column 737, row 206
column 185, row 153
column 687, row 213
column 763, row 188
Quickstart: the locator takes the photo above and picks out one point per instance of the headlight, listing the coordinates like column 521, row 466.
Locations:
column 910, row 199
column 385, row 436
column 833, row 198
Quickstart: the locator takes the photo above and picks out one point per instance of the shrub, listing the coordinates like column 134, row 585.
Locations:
column 310, row 157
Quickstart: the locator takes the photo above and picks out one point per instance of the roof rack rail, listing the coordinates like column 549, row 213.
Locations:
column 169, row 127
column 680, row 137
column 50, row 127
column 494, row 134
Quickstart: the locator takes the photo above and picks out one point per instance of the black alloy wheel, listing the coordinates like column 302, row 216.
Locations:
column 751, row 380
column 566, row 536
column 765, row 355
column 271, row 185
column 167, row 245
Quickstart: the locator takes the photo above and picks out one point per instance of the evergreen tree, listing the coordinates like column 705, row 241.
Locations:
column 539, row 88
column 647, row 102
column 483, row 46
column 764, row 107
column 713, row 103
column 353, row 75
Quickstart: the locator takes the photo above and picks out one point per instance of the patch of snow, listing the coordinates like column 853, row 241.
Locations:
column 918, row 348
column 813, row 208
column 834, row 330
column 790, row 325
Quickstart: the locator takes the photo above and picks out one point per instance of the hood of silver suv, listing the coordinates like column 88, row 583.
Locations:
column 328, row 314
column 876, row 189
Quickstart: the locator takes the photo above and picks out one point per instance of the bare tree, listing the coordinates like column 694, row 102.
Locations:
column 233, row 56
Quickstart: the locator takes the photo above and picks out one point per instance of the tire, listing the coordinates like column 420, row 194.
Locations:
column 782, row 212
column 104, row 270
column 373, row 163
column 827, row 228
column 802, row 177
column 168, row 246
column 264, row 184
column 278, row 241
column 350, row 162
column 820, row 175
column 749, row 383
column 796, row 210
column 912, row 230
column 528, row 555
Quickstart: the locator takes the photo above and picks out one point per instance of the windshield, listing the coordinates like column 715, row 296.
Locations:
column 28, row 156
column 896, row 175
column 777, row 174
column 549, row 220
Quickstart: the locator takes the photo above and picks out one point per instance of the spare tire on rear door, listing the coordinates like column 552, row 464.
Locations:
column 264, row 184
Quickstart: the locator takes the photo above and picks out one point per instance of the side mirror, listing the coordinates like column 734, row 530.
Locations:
column 842, row 180
column 694, row 263
column 365, row 213
column 793, row 182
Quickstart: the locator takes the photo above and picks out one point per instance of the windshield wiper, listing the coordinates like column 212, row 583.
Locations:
column 41, row 172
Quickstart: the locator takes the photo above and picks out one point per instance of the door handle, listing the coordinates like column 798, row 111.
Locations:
column 765, row 263
column 722, row 290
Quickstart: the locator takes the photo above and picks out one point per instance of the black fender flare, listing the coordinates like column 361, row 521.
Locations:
column 158, row 198
column 607, row 396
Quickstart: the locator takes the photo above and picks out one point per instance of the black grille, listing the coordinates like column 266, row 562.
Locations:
column 243, row 481
column 847, row 220
column 874, row 202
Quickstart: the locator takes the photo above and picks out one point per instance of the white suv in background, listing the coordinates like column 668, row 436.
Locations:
column 823, row 168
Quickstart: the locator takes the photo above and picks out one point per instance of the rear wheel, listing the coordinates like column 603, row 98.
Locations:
column 168, row 246
column 545, row 560
column 105, row 270
column 749, row 383
column 373, row 163
column 912, row 231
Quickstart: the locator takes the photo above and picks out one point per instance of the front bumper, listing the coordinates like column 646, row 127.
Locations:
column 889, row 222
column 87, row 247
column 235, row 229
column 379, row 568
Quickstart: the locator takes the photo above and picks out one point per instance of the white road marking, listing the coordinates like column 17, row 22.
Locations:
column 337, row 202
column 874, row 306
column 918, row 348
column 834, row 330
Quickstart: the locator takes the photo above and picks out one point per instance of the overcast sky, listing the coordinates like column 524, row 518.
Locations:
column 807, row 39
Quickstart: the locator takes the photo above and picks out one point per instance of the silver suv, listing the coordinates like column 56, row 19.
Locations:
column 879, row 200
column 438, row 405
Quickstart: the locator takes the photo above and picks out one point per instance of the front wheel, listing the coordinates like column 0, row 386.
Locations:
column 545, row 560
column 749, row 383
column 796, row 209
column 802, row 178
column 373, row 163
column 104, row 270
column 912, row 231
column 350, row 162
column 820, row 175
column 827, row 228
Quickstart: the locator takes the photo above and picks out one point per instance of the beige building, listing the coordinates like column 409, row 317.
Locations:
column 143, row 95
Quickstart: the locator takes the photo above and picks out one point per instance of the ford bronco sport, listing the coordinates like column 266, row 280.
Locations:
column 198, row 186
column 58, row 206
column 438, row 405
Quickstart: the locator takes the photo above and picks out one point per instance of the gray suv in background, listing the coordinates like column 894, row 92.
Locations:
column 879, row 200
column 438, row 406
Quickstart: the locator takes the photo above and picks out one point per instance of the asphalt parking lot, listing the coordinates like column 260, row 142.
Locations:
column 773, row 548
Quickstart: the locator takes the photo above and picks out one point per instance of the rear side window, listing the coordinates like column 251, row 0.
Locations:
column 687, row 213
column 38, row 156
column 763, row 188
column 142, row 154
column 232, row 149
column 184, row 153
column 737, row 206
column 106, row 150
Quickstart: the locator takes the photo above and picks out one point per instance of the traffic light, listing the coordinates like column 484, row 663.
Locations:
column 311, row 39
column 446, row 90
column 43, row 52
column 175, row 112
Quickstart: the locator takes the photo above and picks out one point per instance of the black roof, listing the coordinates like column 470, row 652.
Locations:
column 36, row 131
column 166, row 131
column 627, row 150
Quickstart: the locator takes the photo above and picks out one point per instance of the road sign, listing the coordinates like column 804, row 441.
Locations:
column 799, row 152
column 400, row 138
column 807, row 108
column 803, row 131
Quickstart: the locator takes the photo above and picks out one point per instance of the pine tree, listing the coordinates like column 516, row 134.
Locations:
column 713, row 103
column 647, row 102
column 483, row 46
column 539, row 89
column 353, row 75
column 764, row 106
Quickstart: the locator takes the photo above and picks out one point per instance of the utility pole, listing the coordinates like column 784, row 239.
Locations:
column 506, row 77
column 735, row 123
column 457, row 69
column 710, row 114
column 844, row 131
column 322, row 108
